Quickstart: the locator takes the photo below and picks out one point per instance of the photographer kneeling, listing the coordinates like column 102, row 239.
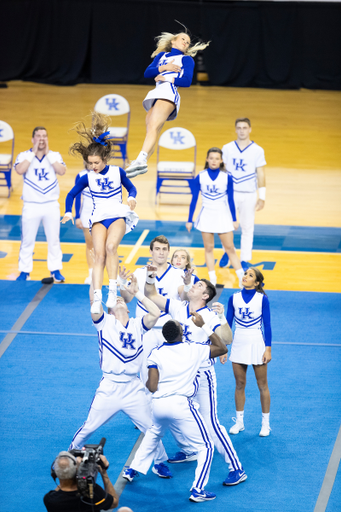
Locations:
column 66, row 496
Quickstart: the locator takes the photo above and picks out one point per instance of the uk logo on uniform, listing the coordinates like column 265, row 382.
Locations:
column 246, row 314
column 177, row 137
column 186, row 333
column 112, row 103
column 42, row 175
column 160, row 290
column 212, row 189
column 105, row 184
column 127, row 341
column 239, row 166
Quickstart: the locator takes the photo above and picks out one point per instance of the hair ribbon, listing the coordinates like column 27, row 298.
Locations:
column 101, row 139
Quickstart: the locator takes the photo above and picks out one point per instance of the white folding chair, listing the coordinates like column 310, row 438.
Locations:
column 177, row 139
column 6, row 159
column 116, row 105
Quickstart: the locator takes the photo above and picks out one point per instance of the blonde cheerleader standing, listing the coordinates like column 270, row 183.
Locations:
column 251, row 345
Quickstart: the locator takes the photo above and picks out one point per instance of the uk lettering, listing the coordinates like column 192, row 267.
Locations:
column 239, row 166
column 246, row 314
column 127, row 341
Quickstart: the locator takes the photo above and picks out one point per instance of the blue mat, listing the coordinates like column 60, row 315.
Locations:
column 47, row 384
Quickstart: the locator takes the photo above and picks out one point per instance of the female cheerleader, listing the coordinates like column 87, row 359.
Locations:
column 110, row 219
column 250, row 309
column 84, row 206
column 218, row 213
column 182, row 259
column 172, row 66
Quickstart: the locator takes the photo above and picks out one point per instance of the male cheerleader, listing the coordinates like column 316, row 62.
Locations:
column 120, row 351
column 173, row 379
column 39, row 167
column 199, row 295
column 245, row 161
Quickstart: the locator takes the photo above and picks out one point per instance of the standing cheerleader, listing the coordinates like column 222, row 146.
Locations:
column 172, row 67
column 250, row 309
column 84, row 207
column 110, row 219
column 218, row 213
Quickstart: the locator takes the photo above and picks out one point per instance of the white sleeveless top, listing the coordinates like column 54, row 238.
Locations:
column 213, row 193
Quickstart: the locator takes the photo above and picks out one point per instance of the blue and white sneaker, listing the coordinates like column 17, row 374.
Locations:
column 235, row 477
column 199, row 496
column 129, row 474
column 24, row 276
column 245, row 265
column 182, row 457
column 224, row 262
column 162, row 470
column 57, row 276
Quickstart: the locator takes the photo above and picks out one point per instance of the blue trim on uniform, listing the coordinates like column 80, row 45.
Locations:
column 124, row 359
column 216, row 424
column 165, row 272
column 209, row 445
column 143, row 325
column 152, row 366
column 242, row 150
column 100, row 319
column 36, row 187
column 167, row 306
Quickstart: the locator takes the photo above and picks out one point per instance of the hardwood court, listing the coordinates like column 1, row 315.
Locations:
column 299, row 131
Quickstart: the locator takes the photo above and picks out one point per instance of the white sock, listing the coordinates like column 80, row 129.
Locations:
column 266, row 418
column 90, row 272
column 142, row 157
column 240, row 273
column 213, row 277
column 113, row 285
column 240, row 416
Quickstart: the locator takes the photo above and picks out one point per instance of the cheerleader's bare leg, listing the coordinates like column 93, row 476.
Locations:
column 227, row 241
column 261, row 373
column 99, row 237
column 155, row 119
column 239, row 371
column 208, row 239
column 116, row 232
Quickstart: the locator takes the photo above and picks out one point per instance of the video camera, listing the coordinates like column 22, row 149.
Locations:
column 88, row 469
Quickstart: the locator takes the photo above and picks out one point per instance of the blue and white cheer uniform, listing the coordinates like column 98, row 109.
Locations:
column 40, row 196
column 168, row 90
column 106, row 191
column 120, row 389
column 218, row 211
column 251, row 312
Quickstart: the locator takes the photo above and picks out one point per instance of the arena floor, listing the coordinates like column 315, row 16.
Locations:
column 49, row 369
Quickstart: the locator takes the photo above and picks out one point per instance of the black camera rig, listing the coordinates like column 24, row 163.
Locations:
column 88, row 469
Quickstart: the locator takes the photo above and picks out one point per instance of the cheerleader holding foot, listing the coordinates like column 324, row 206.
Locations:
column 172, row 67
column 218, row 213
column 110, row 219
column 250, row 309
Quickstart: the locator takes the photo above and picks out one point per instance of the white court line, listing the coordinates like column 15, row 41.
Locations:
column 95, row 336
column 137, row 246
column 329, row 478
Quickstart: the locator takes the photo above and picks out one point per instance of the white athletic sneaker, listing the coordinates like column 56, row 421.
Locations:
column 96, row 307
column 265, row 430
column 237, row 427
column 112, row 299
column 136, row 168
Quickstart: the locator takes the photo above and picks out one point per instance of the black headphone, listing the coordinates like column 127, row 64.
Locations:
column 53, row 472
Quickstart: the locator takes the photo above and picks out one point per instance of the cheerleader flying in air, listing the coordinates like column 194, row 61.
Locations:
column 110, row 219
column 172, row 67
